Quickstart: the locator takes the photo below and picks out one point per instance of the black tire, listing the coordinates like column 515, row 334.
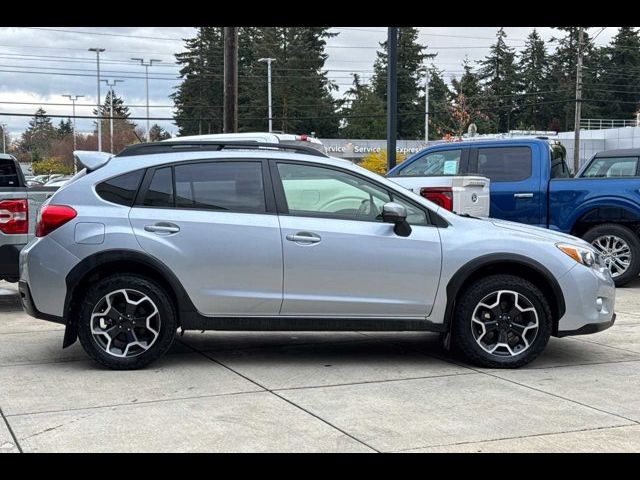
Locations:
column 629, row 237
column 462, row 335
column 167, row 315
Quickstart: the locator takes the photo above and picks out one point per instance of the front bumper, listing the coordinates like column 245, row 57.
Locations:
column 10, row 261
column 590, row 301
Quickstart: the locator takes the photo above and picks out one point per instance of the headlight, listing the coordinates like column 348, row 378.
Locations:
column 582, row 255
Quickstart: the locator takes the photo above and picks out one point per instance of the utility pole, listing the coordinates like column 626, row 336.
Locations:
column 73, row 99
column 4, row 142
column 98, row 51
column 392, row 95
column 269, row 60
column 426, row 108
column 576, row 143
column 146, row 76
column 111, row 85
column 230, row 116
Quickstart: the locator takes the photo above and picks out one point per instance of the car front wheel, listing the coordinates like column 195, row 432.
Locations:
column 126, row 322
column 501, row 321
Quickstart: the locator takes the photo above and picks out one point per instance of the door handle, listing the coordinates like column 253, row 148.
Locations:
column 523, row 195
column 304, row 237
column 162, row 228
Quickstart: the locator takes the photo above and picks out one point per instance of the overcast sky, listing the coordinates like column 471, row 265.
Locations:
column 40, row 64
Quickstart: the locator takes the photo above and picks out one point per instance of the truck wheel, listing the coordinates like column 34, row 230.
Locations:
column 126, row 321
column 501, row 321
column 620, row 249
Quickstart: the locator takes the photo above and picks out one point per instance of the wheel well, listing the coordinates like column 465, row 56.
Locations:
column 539, row 279
column 602, row 215
column 107, row 269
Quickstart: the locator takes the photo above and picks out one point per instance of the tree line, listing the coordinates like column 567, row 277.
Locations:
column 530, row 89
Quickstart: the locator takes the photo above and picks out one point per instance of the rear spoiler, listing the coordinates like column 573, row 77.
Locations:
column 91, row 160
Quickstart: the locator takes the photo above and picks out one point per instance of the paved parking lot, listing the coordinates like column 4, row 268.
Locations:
column 318, row 392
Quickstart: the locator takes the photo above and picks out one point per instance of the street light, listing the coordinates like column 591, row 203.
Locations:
column 269, row 60
column 4, row 146
column 98, row 51
column 146, row 71
column 73, row 99
column 111, row 85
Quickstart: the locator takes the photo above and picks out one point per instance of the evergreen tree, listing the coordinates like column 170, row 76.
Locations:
column 199, row 98
column 498, row 78
column 467, row 95
column 37, row 138
column 64, row 128
column 621, row 75
column 410, row 74
column 533, row 72
column 123, row 129
column 157, row 133
column 439, row 94
column 365, row 114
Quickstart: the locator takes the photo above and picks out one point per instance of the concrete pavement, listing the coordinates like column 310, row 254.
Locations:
column 318, row 392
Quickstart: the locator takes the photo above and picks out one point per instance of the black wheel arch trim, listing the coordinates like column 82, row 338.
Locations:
column 471, row 267
column 93, row 262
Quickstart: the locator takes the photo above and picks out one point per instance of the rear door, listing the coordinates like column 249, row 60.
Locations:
column 214, row 224
column 516, row 193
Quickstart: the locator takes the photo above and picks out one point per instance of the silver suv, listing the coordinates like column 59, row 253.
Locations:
column 224, row 235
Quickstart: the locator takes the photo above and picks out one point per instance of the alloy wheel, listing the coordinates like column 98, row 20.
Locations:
column 615, row 253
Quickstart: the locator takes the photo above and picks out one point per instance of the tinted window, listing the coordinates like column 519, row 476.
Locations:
column 559, row 168
column 160, row 191
column 508, row 164
column 8, row 174
column 445, row 162
column 233, row 186
column 121, row 189
column 612, row 167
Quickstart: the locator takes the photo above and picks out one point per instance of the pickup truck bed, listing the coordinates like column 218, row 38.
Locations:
column 18, row 209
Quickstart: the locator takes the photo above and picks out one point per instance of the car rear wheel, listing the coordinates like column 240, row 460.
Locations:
column 126, row 322
column 619, row 247
column 501, row 321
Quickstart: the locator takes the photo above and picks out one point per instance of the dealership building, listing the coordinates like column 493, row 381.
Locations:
column 355, row 150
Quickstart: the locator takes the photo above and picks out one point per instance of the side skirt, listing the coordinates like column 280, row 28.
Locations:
column 195, row 321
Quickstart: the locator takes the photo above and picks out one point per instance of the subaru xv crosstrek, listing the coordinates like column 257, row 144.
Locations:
column 224, row 235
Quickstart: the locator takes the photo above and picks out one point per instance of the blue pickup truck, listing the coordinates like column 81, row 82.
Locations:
column 531, row 183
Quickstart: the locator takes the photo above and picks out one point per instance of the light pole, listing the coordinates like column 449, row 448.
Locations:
column 98, row 51
column 269, row 60
column 4, row 145
column 426, row 109
column 73, row 99
column 146, row 72
column 111, row 85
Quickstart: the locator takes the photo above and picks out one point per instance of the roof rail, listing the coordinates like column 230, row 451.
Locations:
column 211, row 145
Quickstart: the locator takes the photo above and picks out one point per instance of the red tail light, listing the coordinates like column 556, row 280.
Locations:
column 442, row 196
column 51, row 217
column 14, row 217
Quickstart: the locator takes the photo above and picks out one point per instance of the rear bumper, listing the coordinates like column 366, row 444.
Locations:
column 29, row 306
column 589, row 328
column 10, row 261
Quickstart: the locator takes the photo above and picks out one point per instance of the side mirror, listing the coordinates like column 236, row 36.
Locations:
column 397, row 214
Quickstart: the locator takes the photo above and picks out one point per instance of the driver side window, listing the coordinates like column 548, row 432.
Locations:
column 325, row 192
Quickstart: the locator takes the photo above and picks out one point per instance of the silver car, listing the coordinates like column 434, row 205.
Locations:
column 223, row 235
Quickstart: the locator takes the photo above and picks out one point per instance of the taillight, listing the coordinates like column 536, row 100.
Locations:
column 51, row 217
column 14, row 216
column 442, row 196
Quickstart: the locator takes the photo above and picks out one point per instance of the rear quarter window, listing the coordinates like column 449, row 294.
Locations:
column 121, row 189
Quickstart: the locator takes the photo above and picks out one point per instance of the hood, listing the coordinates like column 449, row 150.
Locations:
column 543, row 233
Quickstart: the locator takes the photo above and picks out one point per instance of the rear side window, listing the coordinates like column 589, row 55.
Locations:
column 612, row 167
column 8, row 174
column 228, row 186
column 446, row 162
column 160, row 191
column 121, row 189
column 504, row 164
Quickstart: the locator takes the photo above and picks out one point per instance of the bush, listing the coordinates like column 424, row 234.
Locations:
column 377, row 161
column 50, row 165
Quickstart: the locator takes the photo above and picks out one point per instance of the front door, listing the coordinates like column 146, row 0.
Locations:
column 210, row 223
column 340, row 259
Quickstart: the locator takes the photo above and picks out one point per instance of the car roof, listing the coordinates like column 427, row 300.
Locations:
column 265, row 137
column 620, row 152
